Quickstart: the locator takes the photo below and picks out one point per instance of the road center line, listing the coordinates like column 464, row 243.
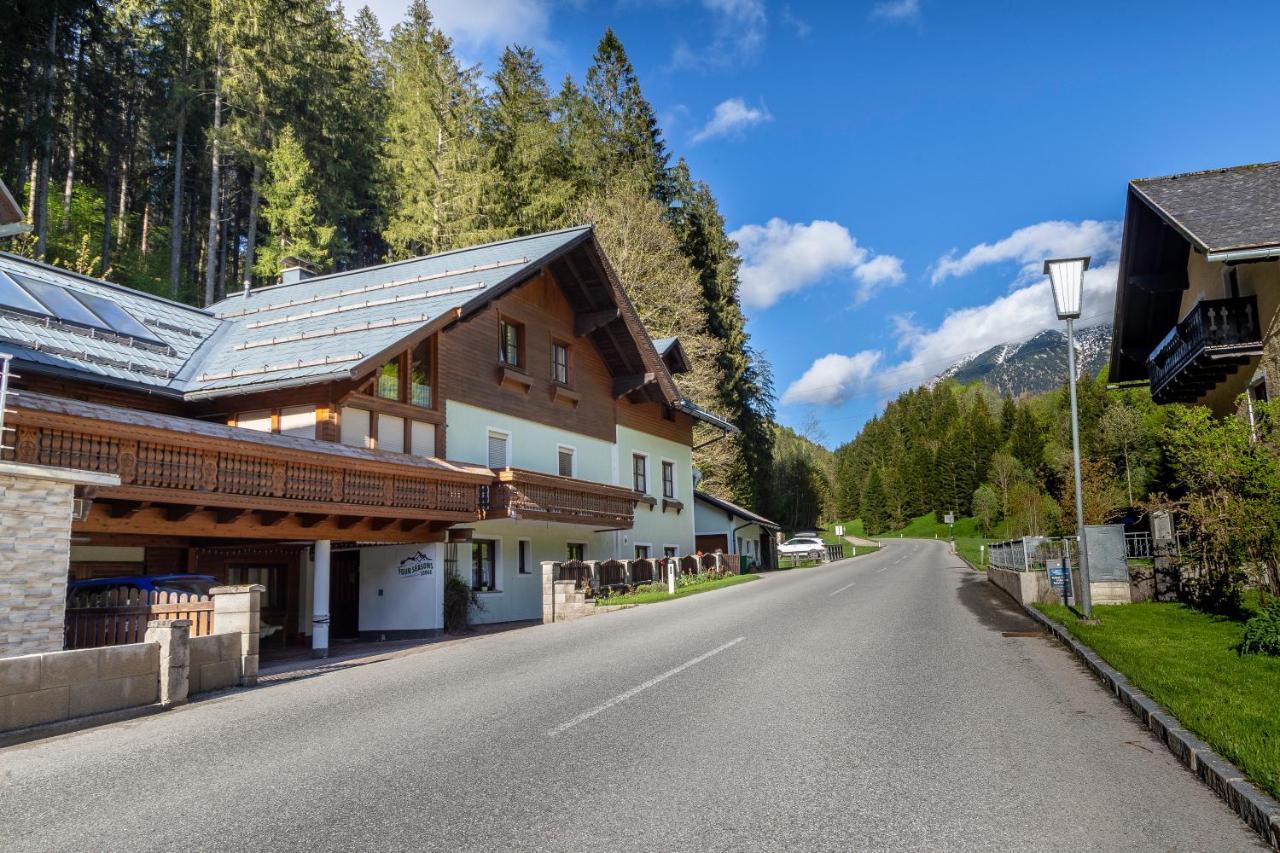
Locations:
column 622, row 697
column 840, row 590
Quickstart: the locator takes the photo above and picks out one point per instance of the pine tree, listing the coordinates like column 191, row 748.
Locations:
column 536, row 183
column 290, row 206
column 436, row 169
column 627, row 137
column 874, row 511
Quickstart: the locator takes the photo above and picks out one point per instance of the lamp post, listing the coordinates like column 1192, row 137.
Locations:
column 1066, row 277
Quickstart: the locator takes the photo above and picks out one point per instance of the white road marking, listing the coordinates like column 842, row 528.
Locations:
column 840, row 590
column 622, row 697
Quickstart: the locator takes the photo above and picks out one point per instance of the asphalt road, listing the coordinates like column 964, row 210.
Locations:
column 870, row 704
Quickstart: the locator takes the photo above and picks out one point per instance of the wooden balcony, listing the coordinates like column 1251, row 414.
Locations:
column 1214, row 340
column 182, row 476
column 524, row 494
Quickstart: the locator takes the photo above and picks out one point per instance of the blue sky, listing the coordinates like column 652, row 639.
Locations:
column 895, row 171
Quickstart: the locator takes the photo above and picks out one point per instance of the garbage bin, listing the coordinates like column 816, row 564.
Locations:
column 744, row 563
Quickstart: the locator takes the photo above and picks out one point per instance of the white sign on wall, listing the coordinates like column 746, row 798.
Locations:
column 416, row 565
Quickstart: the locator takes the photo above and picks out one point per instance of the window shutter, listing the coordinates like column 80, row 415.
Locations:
column 566, row 463
column 497, row 451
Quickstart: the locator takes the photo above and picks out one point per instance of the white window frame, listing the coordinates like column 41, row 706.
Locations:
column 569, row 542
column 675, row 478
column 674, row 556
column 524, row 545
column 506, row 434
column 648, row 479
column 635, row 545
column 573, row 459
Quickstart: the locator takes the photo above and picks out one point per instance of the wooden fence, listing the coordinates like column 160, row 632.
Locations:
column 114, row 617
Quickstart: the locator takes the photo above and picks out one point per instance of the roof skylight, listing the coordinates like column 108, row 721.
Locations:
column 13, row 296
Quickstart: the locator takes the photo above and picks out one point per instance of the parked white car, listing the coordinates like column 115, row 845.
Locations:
column 805, row 547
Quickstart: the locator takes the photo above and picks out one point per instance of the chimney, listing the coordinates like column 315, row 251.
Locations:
column 293, row 270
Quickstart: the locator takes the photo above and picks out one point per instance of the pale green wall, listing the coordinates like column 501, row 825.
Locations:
column 532, row 445
column 652, row 525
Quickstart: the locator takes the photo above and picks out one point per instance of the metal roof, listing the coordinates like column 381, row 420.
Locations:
column 734, row 509
column 320, row 328
column 1220, row 210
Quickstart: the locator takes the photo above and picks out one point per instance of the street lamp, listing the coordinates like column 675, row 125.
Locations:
column 1066, row 276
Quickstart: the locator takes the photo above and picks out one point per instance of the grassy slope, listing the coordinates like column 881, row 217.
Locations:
column 1186, row 661
column 969, row 538
column 651, row 596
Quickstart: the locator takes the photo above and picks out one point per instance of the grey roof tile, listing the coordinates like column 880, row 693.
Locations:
column 1221, row 209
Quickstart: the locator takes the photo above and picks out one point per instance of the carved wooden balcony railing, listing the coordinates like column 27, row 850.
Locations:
column 1212, row 342
column 544, row 497
column 169, row 460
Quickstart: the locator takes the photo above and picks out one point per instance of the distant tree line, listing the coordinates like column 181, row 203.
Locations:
column 184, row 147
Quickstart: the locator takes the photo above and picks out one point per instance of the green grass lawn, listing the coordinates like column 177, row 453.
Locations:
column 649, row 596
column 970, row 547
column 1186, row 661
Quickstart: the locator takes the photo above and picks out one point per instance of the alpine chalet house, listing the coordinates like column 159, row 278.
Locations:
column 479, row 410
column 1196, row 304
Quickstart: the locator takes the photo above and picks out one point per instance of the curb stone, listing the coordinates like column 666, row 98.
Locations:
column 1255, row 808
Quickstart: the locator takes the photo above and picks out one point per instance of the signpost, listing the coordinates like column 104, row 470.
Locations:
column 1059, row 578
column 950, row 521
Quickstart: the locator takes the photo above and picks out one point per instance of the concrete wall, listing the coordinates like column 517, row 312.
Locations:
column 47, row 688
column 401, row 588
column 654, row 526
column 215, row 663
column 1023, row 587
column 533, row 446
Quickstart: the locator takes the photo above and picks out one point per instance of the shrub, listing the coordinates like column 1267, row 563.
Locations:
column 1220, row 593
column 459, row 598
column 1262, row 632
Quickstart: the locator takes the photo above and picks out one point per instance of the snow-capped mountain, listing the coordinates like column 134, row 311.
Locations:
column 1034, row 365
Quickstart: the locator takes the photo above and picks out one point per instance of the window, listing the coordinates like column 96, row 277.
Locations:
column 355, row 427
column 389, row 380
column 390, row 433
column 560, row 362
column 739, row 551
column 640, row 472
column 524, row 559
column 423, row 437
column 566, row 461
column 669, row 480
column 299, row 421
column 642, row 552
column 256, row 421
column 483, row 565
column 499, row 450
column 670, row 551
column 511, row 343
column 577, row 551
column 420, row 375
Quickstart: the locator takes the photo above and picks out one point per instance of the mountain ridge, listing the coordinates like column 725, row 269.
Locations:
column 1035, row 365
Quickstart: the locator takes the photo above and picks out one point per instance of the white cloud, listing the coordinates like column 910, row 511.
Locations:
column 738, row 34
column 1026, row 310
column 880, row 271
column 731, row 116
column 492, row 23
column 1031, row 245
column 896, row 11
column 832, row 378
column 781, row 257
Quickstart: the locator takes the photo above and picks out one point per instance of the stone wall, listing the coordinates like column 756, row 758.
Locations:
column 215, row 663
column 35, row 553
column 47, row 688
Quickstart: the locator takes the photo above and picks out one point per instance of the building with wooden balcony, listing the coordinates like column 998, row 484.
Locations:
column 1199, row 288
column 347, row 439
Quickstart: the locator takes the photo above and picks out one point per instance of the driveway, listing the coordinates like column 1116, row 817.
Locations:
column 870, row 704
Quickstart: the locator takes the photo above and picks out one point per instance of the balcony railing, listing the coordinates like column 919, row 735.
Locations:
column 165, row 459
column 531, row 495
column 1209, row 344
